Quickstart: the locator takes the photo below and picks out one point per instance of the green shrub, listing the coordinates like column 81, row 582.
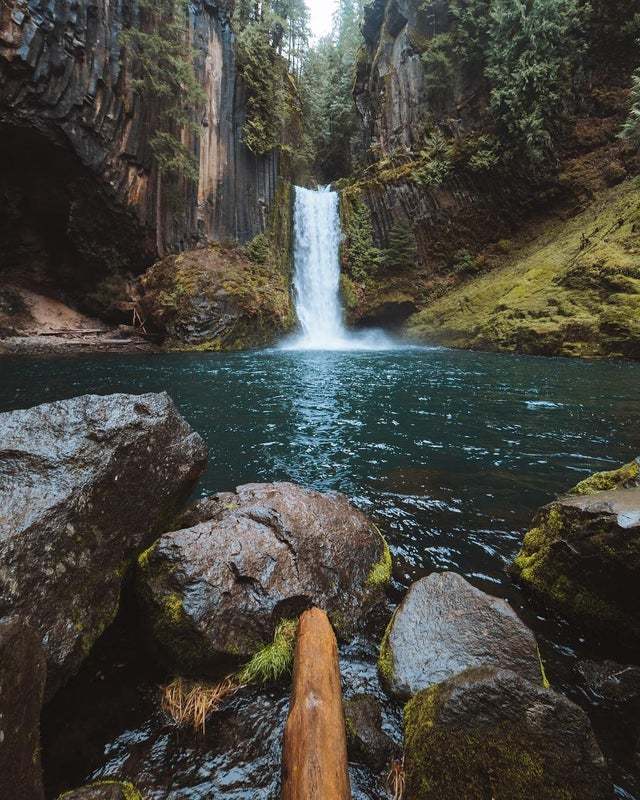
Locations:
column 402, row 253
column 360, row 254
column 259, row 249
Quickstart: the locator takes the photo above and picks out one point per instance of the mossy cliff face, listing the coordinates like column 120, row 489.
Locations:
column 573, row 289
column 216, row 299
column 436, row 160
column 489, row 733
column 225, row 297
column 582, row 557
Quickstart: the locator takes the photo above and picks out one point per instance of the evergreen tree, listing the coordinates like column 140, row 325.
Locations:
column 361, row 255
column 631, row 129
column 164, row 61
column 534, row 56
column 402, row 253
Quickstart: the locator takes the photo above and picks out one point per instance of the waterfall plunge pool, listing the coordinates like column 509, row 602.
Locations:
column 452, row 452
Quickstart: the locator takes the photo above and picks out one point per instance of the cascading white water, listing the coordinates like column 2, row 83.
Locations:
column 316, row 280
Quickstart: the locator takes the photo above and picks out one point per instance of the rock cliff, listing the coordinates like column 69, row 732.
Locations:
column 435, row 162
column 80, row 193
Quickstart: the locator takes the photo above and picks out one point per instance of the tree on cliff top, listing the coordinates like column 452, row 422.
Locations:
column 163, row 58
column 534, row 57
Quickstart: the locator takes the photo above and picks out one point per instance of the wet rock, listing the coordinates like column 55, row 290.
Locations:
column 365, row 738
column 22, row 679
column 582, row 557
column 490, row 733
column 213, row 593
column 85, row 484
column 216, row 298
column 615, row 686
column 104, row 790
column 444, row 626
column 314, row 750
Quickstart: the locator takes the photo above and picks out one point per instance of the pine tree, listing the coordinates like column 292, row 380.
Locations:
column 534, row 58
column 631, row 129
column 402, row 253
column 164, row 60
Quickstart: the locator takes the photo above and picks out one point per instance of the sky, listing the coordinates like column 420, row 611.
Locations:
column 321, row 13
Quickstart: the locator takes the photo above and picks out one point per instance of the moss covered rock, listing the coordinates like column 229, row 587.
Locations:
column 218, row 298
column 213, row 593
column 489, row 733
column 104, row 790
column 444, row 626
column 572, row 289
column 582, row 556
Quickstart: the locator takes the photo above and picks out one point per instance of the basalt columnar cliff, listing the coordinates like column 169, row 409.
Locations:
column 82, row 193
column 442, row 183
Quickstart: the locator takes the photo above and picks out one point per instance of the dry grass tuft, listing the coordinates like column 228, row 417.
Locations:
column 190, row 703
column 396, row 778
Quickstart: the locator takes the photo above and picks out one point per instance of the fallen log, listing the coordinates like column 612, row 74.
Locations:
column 314, row 753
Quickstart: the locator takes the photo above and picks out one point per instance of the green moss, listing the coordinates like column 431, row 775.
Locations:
column 275, row 660
column 552, row 294
column 129, row 791
column 628, row 475
column 549, row 566
column 385, row 659
column 380, row 574
column 143, row 558
column 543, row 671
column 497, row 760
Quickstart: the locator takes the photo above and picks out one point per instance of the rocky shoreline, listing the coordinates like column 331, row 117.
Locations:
column 93, row 527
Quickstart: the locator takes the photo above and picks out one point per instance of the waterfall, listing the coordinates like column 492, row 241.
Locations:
column 316, row 280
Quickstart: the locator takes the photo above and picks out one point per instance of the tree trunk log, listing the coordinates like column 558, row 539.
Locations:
column 314, row 754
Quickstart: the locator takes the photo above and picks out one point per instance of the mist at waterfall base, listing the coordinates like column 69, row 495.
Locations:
column 316, row 280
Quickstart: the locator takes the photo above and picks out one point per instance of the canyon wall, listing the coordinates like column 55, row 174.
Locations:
column 398, row 108
column 78, row 187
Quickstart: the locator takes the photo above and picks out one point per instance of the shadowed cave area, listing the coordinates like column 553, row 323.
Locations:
column 61, row 233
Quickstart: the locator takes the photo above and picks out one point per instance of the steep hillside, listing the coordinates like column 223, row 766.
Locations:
column 572, row 288
column 468, row 145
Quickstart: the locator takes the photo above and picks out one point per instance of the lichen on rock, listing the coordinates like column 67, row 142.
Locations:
column 582, row 556
column 213, row 593
column 491, row 733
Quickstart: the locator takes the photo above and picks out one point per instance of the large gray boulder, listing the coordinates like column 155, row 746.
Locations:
column 22, row 679
column 85, row 484
column 490, row 733
column 214, row 592
column 444, row 626
column 582, row 555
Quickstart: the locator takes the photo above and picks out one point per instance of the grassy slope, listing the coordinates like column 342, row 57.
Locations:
column 556, row 293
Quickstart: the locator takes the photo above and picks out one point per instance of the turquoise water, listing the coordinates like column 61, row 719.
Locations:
column 452, row 452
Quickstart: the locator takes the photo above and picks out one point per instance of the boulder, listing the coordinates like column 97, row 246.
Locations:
column 104, row 790
column 314, row 749
column 85, row 484
column 22, row 679
column 213, row 593
column 366, row 740
column 489, row 733
column 444, row 626
column 582, row 556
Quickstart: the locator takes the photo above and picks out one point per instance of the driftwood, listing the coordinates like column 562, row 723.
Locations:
column 314, row 755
